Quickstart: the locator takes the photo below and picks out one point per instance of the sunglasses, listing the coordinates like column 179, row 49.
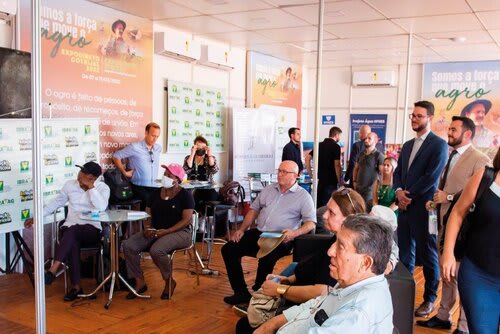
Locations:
column 346, row 191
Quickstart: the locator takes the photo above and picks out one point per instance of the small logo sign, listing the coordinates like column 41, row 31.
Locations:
column 217, row 113
column 186, row 143
column 186, row 124
column 49, row 179
column 328, row 119
column 174, row 132
column 186, row 100
column 88, row 129
column 68, row 161
column 25, row 166
column 174, row 110
column 219, row 95
column 25, row 214
column 209, row 103
column 198, row 112
column 1, row 186
column 48, row 131
column 174, row 88
column 197, row 133
column 217, row 134
column 198, row 92
column 207, row 123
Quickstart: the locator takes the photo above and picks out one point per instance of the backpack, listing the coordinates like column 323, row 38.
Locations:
column 120, row 187
column 461, row 243
column 232, row 192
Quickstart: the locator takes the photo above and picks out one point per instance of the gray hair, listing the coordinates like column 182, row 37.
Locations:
column 374, row 238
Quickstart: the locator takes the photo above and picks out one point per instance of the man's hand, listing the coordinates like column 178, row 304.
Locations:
column 428, row 205
column 128, row 173
column 269, row 288
column 236, row 237
column 289, row 235
column 440, row 197
column 388, row 268
column 403, row 199
column 28, row 223
column 193, row 150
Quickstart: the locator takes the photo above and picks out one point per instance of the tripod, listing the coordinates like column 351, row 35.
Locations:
column 22, row 252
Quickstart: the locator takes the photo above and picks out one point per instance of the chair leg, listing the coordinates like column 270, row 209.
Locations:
column 101, row 253
column 196, row 266
column 170, row 278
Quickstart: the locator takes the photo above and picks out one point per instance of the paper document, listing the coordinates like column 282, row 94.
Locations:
column 271, row 235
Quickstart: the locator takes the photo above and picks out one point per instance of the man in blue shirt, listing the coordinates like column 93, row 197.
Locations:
column 361, row 301
column 143, row 163
column 291, row 151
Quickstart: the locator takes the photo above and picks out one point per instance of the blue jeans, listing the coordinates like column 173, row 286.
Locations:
column 480, row 295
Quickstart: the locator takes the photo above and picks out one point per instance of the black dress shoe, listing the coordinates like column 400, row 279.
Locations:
column 457, row 331
column 132, row 295
column 435, row 322
column 424, row 309
column 237, row 298
column 72, row 295
column 49, row 277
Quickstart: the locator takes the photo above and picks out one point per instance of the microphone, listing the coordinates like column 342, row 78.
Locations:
column 320, row 317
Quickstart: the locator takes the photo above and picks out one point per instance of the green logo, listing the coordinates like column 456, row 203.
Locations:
column 88, row 129
column 186, row 124
column 25, row 166
column 186, row 100
column 207, row 124
column 68, row 161
column 198, row 92
column 197, row 133
column 174, row 88
column 186, row 143
column 209, row 103
column 48, row 131
column 25, row 214
column 174, row 110
column 1, row 185
column 219, row 95
column 174, row 132
column 217, row 113
column 217, row 134
column 198, row 112
column 49, row 179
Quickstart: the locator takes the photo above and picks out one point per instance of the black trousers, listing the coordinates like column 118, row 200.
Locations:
column 232, row 252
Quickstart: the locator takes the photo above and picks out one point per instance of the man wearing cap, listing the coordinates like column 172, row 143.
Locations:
column 87, row 193
column 143, row 163
column 281, row 207
column 116, row 44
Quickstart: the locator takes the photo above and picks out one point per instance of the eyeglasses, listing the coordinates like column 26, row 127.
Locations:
column 151, row 156
column 345, row 191
column 284, row 171
column 412, row 116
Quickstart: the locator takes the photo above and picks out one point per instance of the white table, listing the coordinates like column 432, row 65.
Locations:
column 114, row 218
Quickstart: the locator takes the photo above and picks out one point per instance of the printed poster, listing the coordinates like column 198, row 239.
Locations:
column 195, row 111
column 272, row 81
column 470, row 89
column 96, row 63
column 377, row 122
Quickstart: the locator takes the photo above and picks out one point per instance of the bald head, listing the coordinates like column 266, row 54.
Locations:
column 290, row 165
column 364, row 130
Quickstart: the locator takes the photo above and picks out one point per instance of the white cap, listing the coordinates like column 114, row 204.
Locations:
column 386, row 214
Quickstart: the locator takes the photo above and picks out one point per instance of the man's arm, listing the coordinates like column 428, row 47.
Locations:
column 308, row 164
column 249, row 219
column 272, row 325
column 353, row 155
column 99, row 195
column 338, row 171
column 286, row 155
column 304, row 229
column 355, row 176
column 117, row 160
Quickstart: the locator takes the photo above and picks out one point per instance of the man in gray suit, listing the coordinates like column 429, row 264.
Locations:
column 463, row 162
column 416, row 178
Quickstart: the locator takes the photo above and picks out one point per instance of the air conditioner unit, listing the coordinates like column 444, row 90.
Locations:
column 216, row 56
column 374, row 78
column 178, row 47
column 8, row 6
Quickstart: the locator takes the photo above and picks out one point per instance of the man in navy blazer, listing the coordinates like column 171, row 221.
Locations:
column 416, row 179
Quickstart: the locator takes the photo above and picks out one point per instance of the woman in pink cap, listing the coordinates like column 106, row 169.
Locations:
column 171, row 210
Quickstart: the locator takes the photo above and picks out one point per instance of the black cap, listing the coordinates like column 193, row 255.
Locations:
column 116, row 23
column 91, row 168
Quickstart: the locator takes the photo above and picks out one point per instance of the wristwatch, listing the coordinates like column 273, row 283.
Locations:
column 449, row 197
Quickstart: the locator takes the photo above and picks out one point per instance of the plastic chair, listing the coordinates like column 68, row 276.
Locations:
column 194, row 228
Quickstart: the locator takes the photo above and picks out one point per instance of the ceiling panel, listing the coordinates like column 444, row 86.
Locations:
column 412, row 8
column 443, row 23
column 152, row 9
column 262, row 19
column 491, row 20
column 466, row 52
column 484, row 5
column 337, row 12
column 446, row 38
column 200, row 25
column 496, row 35
column 364, row 29
column 295, row 34
column 223, row 6
column 240, row 38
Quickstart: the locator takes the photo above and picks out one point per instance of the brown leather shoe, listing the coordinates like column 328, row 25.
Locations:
column 424, row 309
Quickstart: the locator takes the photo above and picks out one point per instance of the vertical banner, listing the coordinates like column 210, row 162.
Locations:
column 96, row 62
column 470, row 89
column 65, row 142
column 272, row 81
column 195, row 111
column 377, row 122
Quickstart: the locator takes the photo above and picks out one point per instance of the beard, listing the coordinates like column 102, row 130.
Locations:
column 453, row 142
column 420, row 127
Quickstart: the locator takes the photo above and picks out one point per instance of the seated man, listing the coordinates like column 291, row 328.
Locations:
column 281, row 206
column 87, row 193
column 360, row 302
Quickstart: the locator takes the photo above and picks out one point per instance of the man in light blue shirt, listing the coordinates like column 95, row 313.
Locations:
column 143, row 163
column 361, row 301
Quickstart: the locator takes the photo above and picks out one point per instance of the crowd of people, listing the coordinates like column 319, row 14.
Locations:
column 342, row 286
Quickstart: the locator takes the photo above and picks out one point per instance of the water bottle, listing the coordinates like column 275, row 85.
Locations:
column 433, row 219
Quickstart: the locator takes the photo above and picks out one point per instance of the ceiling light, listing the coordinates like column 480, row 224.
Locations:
column 458, row 39
column 298, row 47
column 216, row 2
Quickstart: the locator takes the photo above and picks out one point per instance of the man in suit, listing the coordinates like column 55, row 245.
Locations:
column 463, row 162
column 416, row 178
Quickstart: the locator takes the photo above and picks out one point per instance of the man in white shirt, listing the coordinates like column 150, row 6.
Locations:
column 87, row 193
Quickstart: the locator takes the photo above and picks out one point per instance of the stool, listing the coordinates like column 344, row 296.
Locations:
column 209, row 231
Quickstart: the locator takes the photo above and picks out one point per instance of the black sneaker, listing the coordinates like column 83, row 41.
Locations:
column 241, row 310
column 49, row 277
column 72, row 294
column 237, row 298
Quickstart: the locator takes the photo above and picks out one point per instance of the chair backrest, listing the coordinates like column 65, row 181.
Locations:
column 194, row 227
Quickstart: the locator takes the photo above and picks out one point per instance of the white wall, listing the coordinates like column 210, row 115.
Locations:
column 165, row 68
column 340, row 99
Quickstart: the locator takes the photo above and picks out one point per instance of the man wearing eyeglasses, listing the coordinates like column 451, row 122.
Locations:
column 416, row 178
column 280, row 207
column 143, row 163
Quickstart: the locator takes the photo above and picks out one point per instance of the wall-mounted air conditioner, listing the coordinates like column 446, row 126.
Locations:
column 178, row 47
column 8, row 6
column 374, row 78
column 216, row 56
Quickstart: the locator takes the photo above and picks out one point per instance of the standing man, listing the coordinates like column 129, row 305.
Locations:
column 143, row 163
column 285, row 207
column 368, row 166
column 291, row 151
column 463, row 162
column 416, row 178
column 329, row 169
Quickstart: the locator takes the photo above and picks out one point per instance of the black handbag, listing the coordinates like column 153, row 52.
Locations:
column 461, row 243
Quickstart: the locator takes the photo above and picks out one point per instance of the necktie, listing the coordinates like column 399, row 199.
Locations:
column 446, row 169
